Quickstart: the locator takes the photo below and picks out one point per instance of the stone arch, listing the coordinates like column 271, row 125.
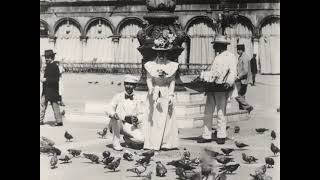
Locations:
column 126, row 20
column 89, row 23
column 195, row 19
column 267, row 20
column 246, row 22
column 62, row 20
column 46, row 26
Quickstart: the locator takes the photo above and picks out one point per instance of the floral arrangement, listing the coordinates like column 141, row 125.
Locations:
column 162, row 73
column 165, row 39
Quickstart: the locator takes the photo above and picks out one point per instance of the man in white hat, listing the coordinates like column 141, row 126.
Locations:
column 126, row 116
column 223, row 71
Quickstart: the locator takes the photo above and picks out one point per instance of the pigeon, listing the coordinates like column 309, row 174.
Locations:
column 50, row 150
column 148, row 153
column 211, row 152
column 181, row 163
column 236, row 129
column 273, row 135
column 240, row 145
column 269, row 162
column 227, row 151
column 144, row 159
column 53, row 161
column 139, row 170
column 74, row 152
column 107, row 160
column 106, row 154
column 48, row 141
column 148, row 176
column 248, row 159
column 275, row 149
column 68, row 136
column 119, row 84
column 113, row 165
column 186, row 155
column 183, row 174
column 103, row 133
column 127, row 156
column 224, row 159
column 261, row 170
column 195, row 161
column 96, row 82
column 261, row 130
column 94, row 158
column 111, row 82
column 63, row 113
column 161, row 170
column 229, row 168
column 65, row 158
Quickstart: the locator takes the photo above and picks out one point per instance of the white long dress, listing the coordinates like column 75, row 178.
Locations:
column 160, row 127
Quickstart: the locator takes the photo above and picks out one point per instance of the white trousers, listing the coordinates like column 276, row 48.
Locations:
column 215, row 100
column 118, row 126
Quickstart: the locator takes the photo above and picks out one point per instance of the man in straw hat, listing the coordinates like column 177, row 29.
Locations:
column 50, row 91
column 223, row 71
column 243, row 78
column 126, row 116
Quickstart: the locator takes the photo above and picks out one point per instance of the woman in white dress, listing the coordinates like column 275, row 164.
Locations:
column 161, row 132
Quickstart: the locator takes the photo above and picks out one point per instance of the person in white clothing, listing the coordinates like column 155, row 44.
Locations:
column 224, row 72
column 126, row 116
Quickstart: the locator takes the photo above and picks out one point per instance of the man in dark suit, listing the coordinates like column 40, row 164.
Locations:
column 243, row 78
column 254, row 69
column 50, row 90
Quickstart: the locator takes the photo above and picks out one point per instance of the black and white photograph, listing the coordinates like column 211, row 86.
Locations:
column 160, row 89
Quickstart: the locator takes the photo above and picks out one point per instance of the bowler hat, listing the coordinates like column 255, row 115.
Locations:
column 240, row 47
column 220, row 39
column 49, row 53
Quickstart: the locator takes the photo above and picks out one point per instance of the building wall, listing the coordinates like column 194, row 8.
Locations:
column 82, row 13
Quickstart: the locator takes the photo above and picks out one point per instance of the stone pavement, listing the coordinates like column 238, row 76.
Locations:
column 264, row 97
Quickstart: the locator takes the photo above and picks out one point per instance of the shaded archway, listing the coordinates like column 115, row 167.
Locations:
column 269, row 45
column 99, row 46
column 201, row 31
column 44, row 36
column 126, row 48
column 68, row 45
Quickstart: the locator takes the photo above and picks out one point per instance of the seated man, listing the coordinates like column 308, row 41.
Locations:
column 126, row 116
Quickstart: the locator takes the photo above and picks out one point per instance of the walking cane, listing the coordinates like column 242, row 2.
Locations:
column 165, row 124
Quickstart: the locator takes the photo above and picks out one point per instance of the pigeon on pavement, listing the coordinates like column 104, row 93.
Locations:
column 114, row 165
column 248, row 159
column 229, row 168
column 211, row 153
column 106, row 154
column 65, row 158
column 139, row 169
column 275, row 149
column 261, row 130
column 144, row 159
column 236, row 129
column 68, row 136
column 53, row 161
column 273, row 135
column 161, row 170
column 107, row 160
column 240, row 145
column 127, row 156
column 103, row 133
column 223, row 159
column 74, row 152
column 227, row 151
column 92, row 157
column 269, row 162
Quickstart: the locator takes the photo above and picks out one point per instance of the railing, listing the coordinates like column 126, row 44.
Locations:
column 124, row 68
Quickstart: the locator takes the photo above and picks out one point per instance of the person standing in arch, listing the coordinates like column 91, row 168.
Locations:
column 254, row 69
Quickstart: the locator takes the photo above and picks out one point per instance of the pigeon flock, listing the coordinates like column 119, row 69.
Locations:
column 186, row 168
column 97, row 82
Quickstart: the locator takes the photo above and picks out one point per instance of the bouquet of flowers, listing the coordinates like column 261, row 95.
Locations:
column 165, row 40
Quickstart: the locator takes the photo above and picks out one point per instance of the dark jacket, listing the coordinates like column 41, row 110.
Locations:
column 51, row 85
column 243, row 69
column 254, row 68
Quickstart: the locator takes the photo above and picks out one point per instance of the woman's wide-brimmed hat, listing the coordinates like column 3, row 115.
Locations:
column 220, row 40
